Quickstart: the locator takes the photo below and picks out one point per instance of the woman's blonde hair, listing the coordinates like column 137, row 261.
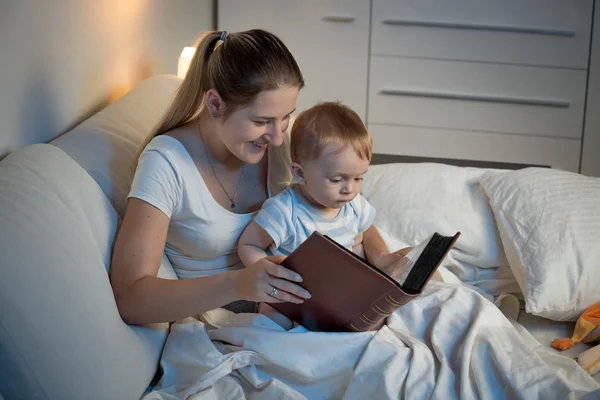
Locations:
column 325, row 123
column 240, row 68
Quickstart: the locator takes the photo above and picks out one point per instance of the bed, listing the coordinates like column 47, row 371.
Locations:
column 484, row 332
column 465, row 338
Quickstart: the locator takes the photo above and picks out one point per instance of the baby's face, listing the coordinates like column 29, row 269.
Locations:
column 334, row 178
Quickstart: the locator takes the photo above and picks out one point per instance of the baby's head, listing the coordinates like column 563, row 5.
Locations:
column 331, row 151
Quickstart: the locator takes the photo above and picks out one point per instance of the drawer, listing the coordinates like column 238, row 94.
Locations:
column 329, row 40
column 476, row 96
column 532, row 32
column 463, row 145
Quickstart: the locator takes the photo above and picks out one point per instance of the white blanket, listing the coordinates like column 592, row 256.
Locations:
column 449, row 343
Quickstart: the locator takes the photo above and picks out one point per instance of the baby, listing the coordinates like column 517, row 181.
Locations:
column 331, row 151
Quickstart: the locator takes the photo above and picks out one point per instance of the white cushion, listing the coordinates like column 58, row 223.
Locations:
column 61, row 336
column 549, row 222
column 415, row 200
column 104, row 144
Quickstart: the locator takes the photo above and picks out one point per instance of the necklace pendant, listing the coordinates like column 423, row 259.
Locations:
column 232, row 205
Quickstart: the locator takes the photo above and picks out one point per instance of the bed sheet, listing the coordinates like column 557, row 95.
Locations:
column 491, row 283
column 544, row 331
column 449, row 343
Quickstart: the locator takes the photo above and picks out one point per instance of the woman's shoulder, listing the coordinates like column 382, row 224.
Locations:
column 173, row 146
column 164, row 156
column 164, row 145
column 157, row 179
column 170, row 142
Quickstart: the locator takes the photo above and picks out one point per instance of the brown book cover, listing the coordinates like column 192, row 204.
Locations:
column 348, row 293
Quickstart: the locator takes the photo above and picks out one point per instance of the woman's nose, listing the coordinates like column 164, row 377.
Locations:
column 275, row 133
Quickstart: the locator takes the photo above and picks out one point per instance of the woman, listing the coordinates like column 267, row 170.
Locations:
column 200, row 179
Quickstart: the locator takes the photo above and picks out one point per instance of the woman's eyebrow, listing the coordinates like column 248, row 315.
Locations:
column 272, row 118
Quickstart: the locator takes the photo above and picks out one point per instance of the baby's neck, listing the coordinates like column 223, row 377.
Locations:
column 314, row 207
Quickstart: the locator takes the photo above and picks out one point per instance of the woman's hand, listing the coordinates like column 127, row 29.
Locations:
column 257, row 281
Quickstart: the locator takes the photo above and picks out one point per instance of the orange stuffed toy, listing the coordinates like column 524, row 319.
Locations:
column 587, row 329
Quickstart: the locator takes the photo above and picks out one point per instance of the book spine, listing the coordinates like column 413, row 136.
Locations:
column 374, row 316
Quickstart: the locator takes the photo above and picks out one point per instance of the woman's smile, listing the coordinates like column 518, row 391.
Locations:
column 260, row 145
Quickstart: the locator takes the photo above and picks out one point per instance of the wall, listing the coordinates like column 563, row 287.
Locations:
column 62, row 60
column 590, row 156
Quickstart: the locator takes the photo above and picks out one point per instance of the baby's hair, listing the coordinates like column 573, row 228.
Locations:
column 326, row 123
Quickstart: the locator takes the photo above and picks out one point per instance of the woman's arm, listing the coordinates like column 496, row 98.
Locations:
column 142, row 297
column 253, row 243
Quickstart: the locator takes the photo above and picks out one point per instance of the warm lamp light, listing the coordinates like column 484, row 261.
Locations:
column 184, row 61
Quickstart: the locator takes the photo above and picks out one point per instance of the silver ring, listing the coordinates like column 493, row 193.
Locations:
column 273, row 292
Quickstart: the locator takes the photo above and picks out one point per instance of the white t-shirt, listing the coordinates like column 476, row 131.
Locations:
column 202, row 236
column 289, row 220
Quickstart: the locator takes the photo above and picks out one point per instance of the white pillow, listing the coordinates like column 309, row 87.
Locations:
column 104, row 144
column 549, row 223
column 414, row 200
column 61, row 336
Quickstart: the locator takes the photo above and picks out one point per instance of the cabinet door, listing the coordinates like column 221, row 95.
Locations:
column 329, row 40
column 513, row 99
column 553, row 33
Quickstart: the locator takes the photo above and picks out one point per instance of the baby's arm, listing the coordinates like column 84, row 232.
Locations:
column 253, row 243
column 379, row 255
column 375, row 248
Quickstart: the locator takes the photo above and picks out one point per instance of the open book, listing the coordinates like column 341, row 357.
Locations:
column 348, row 293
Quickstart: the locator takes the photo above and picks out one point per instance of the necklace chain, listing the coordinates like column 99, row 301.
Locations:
column 231, row 199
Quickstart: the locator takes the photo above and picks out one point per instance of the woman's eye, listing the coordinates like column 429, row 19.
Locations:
column 359, row 179
column 260, row 123
column 334, row 180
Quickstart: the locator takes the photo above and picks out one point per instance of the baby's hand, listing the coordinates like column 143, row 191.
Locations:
column 357, row 246
column 393, row 263
column 277, row 317
column 358, row 240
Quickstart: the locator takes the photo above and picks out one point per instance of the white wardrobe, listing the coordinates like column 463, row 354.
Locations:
column 481, row 80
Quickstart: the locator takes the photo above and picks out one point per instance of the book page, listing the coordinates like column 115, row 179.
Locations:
column 412, row 257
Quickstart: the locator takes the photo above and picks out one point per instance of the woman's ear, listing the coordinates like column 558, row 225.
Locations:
column 214, row 103
column 298, row 173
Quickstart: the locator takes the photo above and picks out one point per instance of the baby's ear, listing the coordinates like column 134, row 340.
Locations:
column 298, row 172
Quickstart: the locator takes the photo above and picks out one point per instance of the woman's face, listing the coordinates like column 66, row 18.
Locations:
column 249, row 131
